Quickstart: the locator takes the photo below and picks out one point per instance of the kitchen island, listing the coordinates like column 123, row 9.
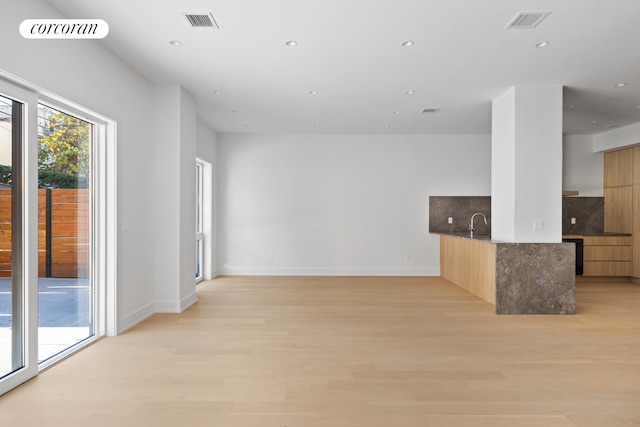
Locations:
column 518, row 278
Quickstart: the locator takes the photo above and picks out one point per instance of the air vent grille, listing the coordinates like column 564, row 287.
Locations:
column 201, row 20
column 430, row 110
column 527, row 19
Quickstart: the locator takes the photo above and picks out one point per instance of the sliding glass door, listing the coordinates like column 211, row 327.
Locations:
column 57, row 231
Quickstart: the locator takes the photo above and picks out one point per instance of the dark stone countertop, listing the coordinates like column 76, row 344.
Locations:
column 467, row 235
column 572, row 236
column 487, row 237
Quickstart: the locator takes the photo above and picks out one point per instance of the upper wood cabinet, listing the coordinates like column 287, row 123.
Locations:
column 636, row 230
column 618, row 209
column 636, row 165
column 618, row 190
column 618, row 168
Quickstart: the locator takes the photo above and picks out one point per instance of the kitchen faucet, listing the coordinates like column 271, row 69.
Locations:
column 471, row 223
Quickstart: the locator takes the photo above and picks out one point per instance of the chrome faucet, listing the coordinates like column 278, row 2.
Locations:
column 471, row 223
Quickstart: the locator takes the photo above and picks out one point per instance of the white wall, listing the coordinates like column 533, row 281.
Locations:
column 175, row 198
column 503, row 166
column 187, row 199
column 617, row 138
column 167, row 172
column 340, row 204
column 583, row 170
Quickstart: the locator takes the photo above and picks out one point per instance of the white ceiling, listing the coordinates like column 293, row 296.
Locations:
column 350, row 52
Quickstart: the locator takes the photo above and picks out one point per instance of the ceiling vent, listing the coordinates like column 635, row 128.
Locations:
column 430, row 110
column 527, row 20
column 201, row 20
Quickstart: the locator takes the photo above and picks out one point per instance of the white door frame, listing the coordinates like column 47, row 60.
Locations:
column 206, row 170
column 29, row 253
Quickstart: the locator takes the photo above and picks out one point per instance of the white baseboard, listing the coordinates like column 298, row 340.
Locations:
column 188, row 301
column 260, row 271
column 136, row 317
column 176, row 306
column 148, row 310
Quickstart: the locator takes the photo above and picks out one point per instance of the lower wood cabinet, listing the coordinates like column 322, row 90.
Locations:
column 607, row 256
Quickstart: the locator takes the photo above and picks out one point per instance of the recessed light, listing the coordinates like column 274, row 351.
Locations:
column 410, row 92
column 408, row 43
column 542, row 44
column 387, row 126
column 620, row 85
column 594, row 121
column 396, row 112
column 291, row 43
column 175, row 43
column 313, row 92
column 217, row 92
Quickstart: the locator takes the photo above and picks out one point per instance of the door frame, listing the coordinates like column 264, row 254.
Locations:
column 206, row 171
column 28, row 254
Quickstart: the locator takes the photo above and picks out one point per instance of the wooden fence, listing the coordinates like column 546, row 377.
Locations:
column 63, row 233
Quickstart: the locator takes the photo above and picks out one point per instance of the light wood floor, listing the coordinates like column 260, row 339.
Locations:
column 311, row 352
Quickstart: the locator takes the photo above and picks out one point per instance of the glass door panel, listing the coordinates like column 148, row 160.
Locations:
column 65, row 285
column 11, row 286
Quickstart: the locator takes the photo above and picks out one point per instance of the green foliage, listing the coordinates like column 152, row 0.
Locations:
column 65, row 150
column 5, row 175
column 63, row 154
column 47, row 179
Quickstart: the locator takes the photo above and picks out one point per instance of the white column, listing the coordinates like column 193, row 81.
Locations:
column 526, row 165
column 175, row 198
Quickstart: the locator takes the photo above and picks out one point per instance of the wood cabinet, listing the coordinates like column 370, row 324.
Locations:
column 635, row 262
column 619, row 178
column 618, row 168
column 470, row 264
column 612, row 255
column 635, row 229
column 607, row 256
column 636, row 161
column 618, row 209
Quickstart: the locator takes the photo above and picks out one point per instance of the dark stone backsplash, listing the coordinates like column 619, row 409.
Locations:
column 588, row 212
column 460, row 208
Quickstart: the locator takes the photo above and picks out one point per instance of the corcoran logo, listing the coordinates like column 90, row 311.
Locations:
column 64, row 29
